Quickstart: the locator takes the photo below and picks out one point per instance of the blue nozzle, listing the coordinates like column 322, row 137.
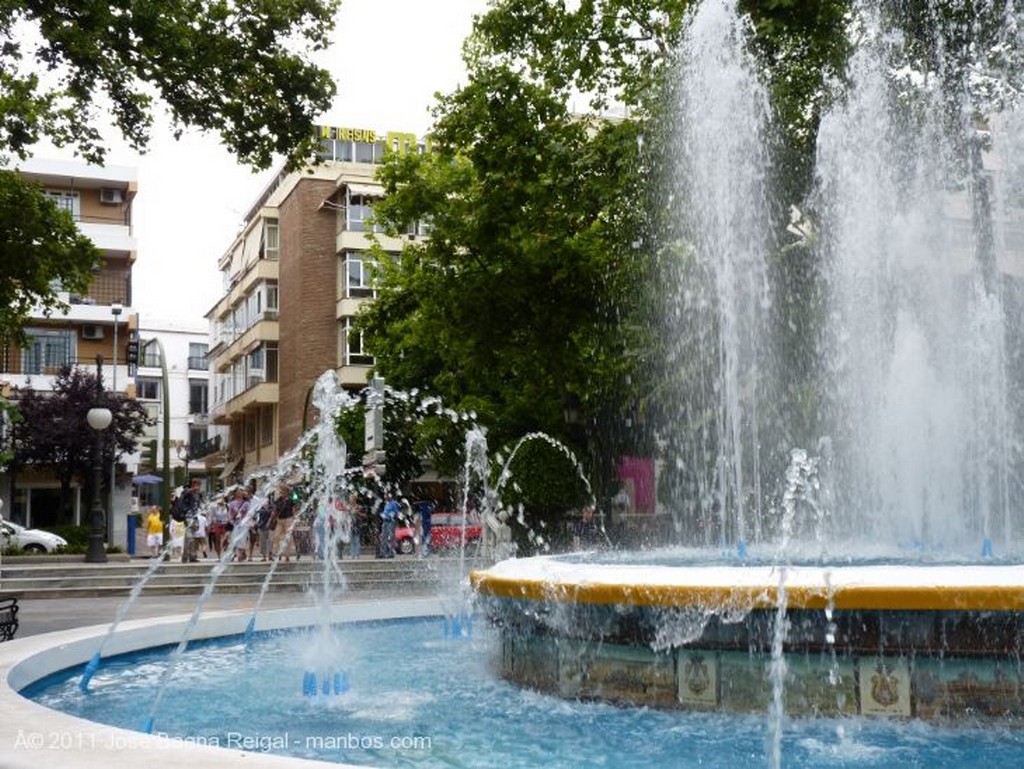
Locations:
column 309, row 684
column 147, row 725
column 741, row 549
column 986, row 548
column 340, row 683
column 90, row 669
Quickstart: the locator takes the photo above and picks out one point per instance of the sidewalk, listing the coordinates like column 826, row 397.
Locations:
column 46, row 615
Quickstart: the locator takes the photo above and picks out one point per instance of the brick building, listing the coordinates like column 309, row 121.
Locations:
column 294, row 279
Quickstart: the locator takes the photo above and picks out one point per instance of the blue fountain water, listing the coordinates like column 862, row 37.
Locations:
column 418, row 699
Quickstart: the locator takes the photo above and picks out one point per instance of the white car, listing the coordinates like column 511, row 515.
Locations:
column 14, row 536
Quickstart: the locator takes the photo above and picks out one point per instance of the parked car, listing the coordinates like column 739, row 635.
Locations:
column 445, row 532
column 15, row 536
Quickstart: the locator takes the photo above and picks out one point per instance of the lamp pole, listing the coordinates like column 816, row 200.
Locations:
column 115, row 310
column 98, row 418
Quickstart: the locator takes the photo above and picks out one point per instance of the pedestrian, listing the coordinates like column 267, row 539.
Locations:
column 154, row 531
column 282, row 520
column 177, row 538
column 263, row 528
column 388, row 517
column 237, row 527
column 425, row 509
column 358, row 517
column 188, row 505
column 588, row 533
column 218, row 527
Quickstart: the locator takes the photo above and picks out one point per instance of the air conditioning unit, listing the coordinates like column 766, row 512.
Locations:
column 111, row 196
column 92, row 331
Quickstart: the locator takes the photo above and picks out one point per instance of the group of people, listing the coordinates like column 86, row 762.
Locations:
column 209, row 529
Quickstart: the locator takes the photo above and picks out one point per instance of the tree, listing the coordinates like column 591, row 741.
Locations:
column 52, row 430
column 237, row 67
column 510, row 308
column 39, row 247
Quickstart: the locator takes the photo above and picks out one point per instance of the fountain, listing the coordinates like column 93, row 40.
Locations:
column 878, row 573
column 865, row 561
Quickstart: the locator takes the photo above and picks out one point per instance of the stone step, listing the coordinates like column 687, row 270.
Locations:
column 68, row 580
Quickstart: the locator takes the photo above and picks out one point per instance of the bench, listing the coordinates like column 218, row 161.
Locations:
column 8, row 618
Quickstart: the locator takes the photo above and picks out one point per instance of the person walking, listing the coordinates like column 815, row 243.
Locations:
column 388, row 518
column 281, row 521
column 188, row 504
column 154, row 531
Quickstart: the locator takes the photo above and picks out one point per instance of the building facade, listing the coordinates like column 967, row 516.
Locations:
column 173, row 358
column 294, row 280
column 98, row 322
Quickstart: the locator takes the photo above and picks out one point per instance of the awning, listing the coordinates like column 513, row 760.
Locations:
column 229, row 468
column 364, row 190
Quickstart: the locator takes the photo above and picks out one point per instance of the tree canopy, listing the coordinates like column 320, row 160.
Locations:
column 237, row 67
column 532, row 300
column 40, row 247
column 70, row 69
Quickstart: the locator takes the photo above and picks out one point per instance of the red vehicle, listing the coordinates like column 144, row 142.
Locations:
column 445, row 532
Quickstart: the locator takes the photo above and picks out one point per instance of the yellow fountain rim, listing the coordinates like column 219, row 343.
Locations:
column 901, row 588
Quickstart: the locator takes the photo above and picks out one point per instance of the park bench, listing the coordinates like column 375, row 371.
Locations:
column 8, row 617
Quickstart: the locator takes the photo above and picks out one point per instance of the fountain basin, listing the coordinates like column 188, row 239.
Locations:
column 936, row 642
column 32, row 735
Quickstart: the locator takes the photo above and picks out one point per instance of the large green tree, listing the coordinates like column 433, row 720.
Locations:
column 70, row 69
column 532, row 299
column 510, row 307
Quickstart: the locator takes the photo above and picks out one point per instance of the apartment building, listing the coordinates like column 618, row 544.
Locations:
column 293, row 281
column 97, row 322
column 173, row 362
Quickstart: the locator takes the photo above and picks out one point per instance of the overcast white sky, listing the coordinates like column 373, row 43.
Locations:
column 388, row 59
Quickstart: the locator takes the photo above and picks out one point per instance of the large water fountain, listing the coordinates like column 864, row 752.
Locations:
column 856, row 494
column 857, row 457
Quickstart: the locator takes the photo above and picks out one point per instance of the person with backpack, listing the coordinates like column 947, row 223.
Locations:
column 186, row 508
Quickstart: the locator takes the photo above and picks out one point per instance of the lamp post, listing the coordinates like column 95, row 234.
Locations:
column 99, row 419
column 115, row 310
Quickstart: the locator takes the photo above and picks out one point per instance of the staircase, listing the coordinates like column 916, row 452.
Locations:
column 50, row 578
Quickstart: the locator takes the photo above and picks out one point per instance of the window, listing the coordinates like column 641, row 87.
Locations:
column 48, row 351
column 359, row 215
column 354, row 350
column 256, row 365
column 271, row 239
column 358, row 276
column 147, row 389
column 266, row 425
column 197, row 355
column 197, row 437
column 198, row 396
column 271, row 375
column 149, row 355
column 67, row 201
column 250, row 431
column 271, row 289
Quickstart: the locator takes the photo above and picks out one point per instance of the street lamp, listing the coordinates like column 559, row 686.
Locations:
column 115, row 310
column 99, row 419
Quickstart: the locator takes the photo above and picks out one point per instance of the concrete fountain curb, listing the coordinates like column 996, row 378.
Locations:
column 32, row 735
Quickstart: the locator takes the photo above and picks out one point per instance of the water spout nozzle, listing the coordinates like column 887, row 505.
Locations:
column 986, row 548
column 741, row 549
column 309, row 684
column 90, row 669
column 147, row 725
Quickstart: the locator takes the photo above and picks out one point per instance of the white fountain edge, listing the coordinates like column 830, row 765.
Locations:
column 32, row 735
column 961, row 586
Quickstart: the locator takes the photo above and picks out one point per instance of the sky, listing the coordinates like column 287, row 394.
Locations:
column 388, row 59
